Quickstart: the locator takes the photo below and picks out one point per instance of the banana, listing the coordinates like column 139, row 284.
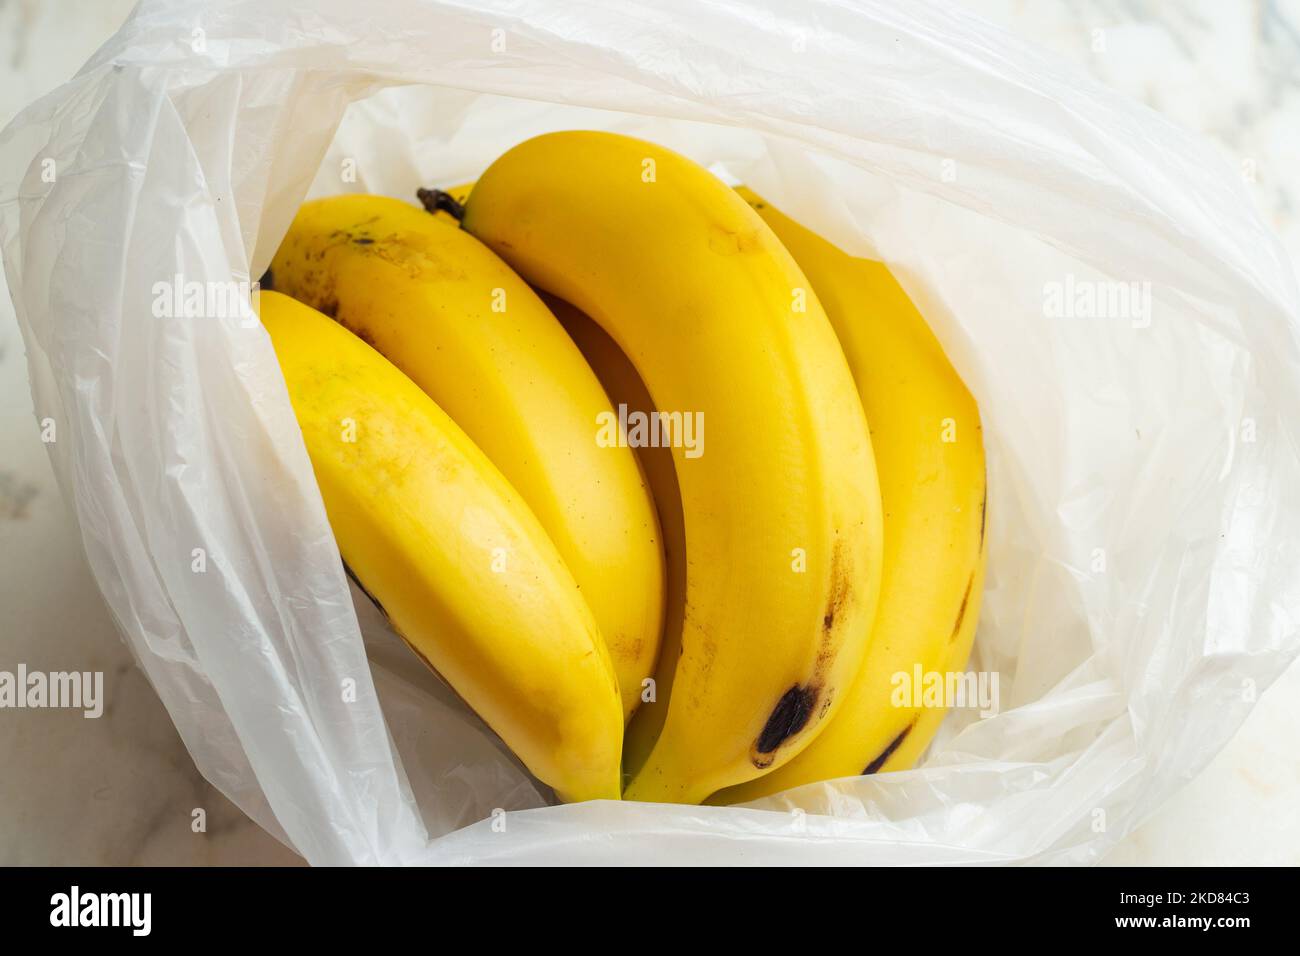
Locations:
column 780, row 505
column 928, row 442
column 624, row 387
column 452, row 316
column 446, row 546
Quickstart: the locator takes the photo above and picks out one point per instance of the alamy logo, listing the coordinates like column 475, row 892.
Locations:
column 72, row 690
column 945, row 689
column 75, row 908
column 1098, row 299
column 637, row 429
column 179, row 298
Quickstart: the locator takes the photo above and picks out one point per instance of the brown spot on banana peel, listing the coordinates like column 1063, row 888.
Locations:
column 841, row 586
column 788, row 717
column 961, row 611
column 888, row 752
column 732, row 242
column 965, row 598
column 359, row 331
column 329, row 307
column 797, row 705
column 826, row 703
column 984, row 511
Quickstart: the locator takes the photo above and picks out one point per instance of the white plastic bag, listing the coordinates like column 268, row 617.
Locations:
column 1144, row 475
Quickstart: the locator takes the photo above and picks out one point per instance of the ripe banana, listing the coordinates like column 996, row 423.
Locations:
column 446, row 311
column 447, row 547
column 926, row 433
column 624, row 387
column 780, row 505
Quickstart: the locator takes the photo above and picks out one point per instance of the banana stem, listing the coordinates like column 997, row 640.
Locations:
column 435, row 200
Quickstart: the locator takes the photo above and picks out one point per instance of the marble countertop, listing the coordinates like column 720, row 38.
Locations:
column 123, row 790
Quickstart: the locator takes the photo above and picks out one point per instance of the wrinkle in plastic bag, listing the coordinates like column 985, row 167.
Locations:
column 1142, row 582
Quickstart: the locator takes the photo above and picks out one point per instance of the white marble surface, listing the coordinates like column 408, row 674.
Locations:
column 122, row 789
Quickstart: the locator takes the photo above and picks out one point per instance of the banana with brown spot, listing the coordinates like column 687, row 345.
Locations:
column 928, row 441
column 781, row 510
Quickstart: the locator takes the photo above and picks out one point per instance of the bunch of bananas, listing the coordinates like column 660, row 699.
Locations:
column 504, row 397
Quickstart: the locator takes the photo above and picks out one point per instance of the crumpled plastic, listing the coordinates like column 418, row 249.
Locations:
column 1142, row 585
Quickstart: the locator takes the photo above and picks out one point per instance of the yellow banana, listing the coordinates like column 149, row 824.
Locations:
column 780, row 504
column 929, row 447
column 624, row 387
column 455, row 557
column 446, row 311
